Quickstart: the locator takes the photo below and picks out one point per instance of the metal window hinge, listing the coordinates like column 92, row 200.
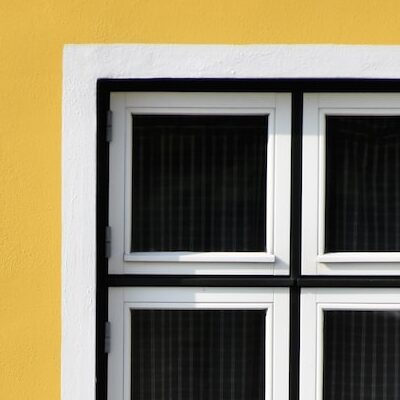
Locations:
column 109, row 126
column 107, row 337
column 108, row 242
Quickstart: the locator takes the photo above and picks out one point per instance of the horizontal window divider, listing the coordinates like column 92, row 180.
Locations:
column 107, row 85
column 188, row 256
column 125, row 280
column 349, row 281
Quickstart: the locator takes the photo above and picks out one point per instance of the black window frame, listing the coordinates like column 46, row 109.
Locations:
column 295, row 281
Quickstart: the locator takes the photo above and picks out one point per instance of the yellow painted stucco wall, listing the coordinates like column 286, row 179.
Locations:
column 32, row 35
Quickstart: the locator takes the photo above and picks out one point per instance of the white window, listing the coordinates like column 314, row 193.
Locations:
column 184, row 342
column 349, row 343
column 200, row 183
column 351, row 202
column 86, row 283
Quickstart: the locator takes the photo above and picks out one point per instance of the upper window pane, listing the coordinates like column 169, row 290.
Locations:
column 362, row 183
column 199, row 183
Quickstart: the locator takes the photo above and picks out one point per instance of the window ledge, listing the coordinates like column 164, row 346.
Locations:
column 253, row 257
column 365, row 257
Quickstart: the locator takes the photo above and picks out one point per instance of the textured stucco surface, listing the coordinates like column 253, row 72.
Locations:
column 32, row 35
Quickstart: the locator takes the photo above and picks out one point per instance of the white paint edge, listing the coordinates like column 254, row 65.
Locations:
column 82, row 66
column 364, row 257
column 258, row 257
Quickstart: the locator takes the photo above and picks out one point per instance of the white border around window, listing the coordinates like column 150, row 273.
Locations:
column 275, row 301
column 313, row 304
column 275, row 261
column 83, row 65
column 314, row 261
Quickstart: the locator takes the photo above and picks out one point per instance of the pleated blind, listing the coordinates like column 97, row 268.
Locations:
column 361, row 355
column 362, row 183
column 199, row 183
column 198, row 355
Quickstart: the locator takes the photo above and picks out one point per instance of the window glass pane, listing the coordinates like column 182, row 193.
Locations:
column 362, row 183
column 198, row 355
column 199, row 183
column 361, row 355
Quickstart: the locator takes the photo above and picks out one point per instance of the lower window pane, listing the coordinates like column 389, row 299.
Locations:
column 198, row 354
column 361, row 355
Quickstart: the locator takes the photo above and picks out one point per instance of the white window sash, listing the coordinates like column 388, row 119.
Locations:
column 314, row 261
column 275, row 261
column 275, row 301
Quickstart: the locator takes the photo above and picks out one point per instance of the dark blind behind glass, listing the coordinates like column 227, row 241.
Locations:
column 199, row 183
column 361, row 355
column 362, row 183
column 198, row 355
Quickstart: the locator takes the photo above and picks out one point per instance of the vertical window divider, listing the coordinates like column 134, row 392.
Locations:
column 295, row 243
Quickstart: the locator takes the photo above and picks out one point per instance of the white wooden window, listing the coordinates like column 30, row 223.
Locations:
column 79, row 152
column 318, row 108
column 360, row 349
column 274, row 259
column 273, row 300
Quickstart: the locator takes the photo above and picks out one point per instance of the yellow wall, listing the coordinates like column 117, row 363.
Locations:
column 32, row 35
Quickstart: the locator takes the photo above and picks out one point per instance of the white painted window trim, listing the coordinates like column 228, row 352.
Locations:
column 83, row 65
column 275, row 301
column 314, row 260
column 313, row 304
column 276, row 259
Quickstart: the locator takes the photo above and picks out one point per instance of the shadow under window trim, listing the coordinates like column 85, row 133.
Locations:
column 199, row 183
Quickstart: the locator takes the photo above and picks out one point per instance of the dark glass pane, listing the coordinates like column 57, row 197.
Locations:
column 361, row 355
column 198, row 355
column 362, row 183
column 199, row 183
